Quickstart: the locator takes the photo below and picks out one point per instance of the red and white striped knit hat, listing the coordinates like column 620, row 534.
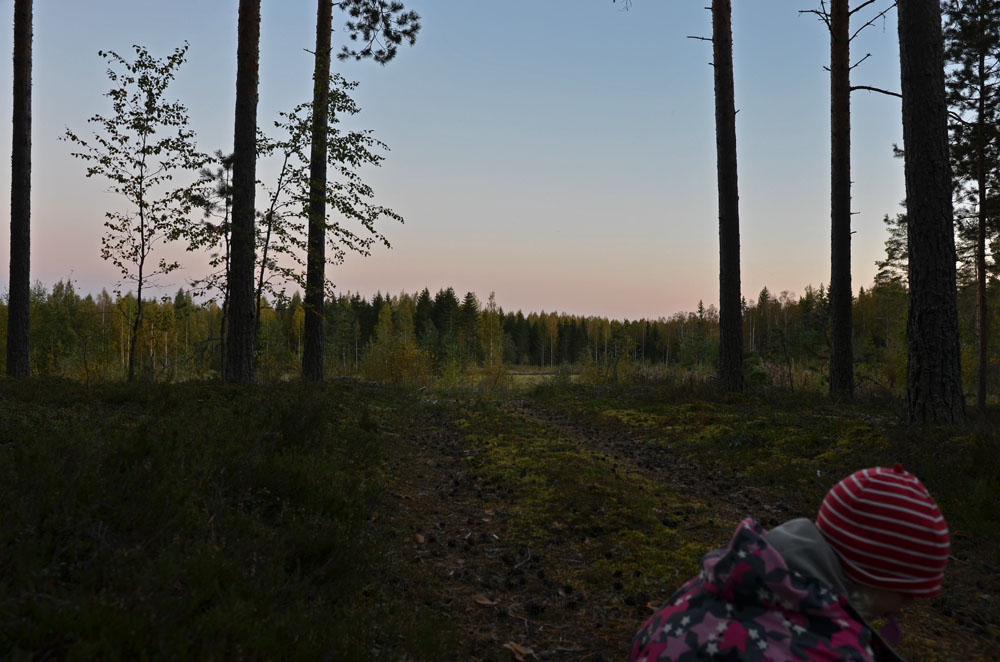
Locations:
column 887, row 531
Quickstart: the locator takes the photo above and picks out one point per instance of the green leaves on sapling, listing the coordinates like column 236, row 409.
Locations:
column 138, row 149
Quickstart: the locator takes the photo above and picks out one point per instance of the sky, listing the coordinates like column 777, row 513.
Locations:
column 558, row 153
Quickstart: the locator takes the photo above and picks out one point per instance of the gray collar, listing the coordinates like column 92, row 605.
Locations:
column 807, row 552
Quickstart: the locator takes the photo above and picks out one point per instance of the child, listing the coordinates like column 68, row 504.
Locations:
column 804, row 590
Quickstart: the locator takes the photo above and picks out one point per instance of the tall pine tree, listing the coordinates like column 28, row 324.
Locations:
column 380, row 27
column 934, row 371
column 20, row 197
column 312, row 356
column 972, row 35
column 730, row 306
column 239, row 364
column 841, row 352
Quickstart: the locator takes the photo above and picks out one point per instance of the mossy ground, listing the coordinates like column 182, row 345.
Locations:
column 774, row 455
column 353, row 522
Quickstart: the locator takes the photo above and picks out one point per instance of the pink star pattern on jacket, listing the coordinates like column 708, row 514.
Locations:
column 746, row 605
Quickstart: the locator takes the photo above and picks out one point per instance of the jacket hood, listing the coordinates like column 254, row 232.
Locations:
column 750, row 603
column 807, row 552
column 753, row 571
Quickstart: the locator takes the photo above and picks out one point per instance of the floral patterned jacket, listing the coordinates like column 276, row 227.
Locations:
column 747, row 605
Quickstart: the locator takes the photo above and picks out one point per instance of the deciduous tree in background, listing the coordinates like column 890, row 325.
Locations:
column 934, row 372
column 282, row 234
column 20, row 197
column 139, row 149
column 730, row 306
column 239, row 364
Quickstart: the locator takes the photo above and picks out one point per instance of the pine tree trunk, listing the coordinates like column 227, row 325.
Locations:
column 224, row 322
column 730, row 323
column 934, row 373
column 239, row 365
column 841, row 352
column 223, row 331
column 312, row 357
column 19, row 297
column 982, row 314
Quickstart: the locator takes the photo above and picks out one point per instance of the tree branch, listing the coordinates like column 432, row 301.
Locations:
column 869, row 88
column 861, row 6
column 958, row 118
column 700, row 38
column 872, row 21
column 823, row 14
column 867, row 55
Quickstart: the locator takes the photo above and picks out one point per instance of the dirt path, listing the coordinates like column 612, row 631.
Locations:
column 502, row 595
column 731, row 500
column 506, row 592
column 498, row 594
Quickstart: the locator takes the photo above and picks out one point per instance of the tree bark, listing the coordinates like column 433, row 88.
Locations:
column 933, row 373
column 239, row 365
column 982, row 313
column 312, row 356
column 134, row 332
column 19, row 301
column 841, row 326
column 730, row 320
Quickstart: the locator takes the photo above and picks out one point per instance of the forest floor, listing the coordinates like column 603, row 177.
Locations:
column 550, row 526
column 351, row 521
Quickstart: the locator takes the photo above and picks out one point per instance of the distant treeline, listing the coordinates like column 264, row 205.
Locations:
column 422, row 334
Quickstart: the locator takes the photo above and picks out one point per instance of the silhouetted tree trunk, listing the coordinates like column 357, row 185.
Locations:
column 841, row 352
column 934, row 373
column 239, row 363
column 971, row 33
column 982, row 316
column 730, row 314
column 20, row 198
column 312, row 355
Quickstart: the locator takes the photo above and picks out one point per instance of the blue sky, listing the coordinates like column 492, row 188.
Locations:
column 560, row 153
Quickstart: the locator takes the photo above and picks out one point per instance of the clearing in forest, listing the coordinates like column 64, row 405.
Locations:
column 197, row 520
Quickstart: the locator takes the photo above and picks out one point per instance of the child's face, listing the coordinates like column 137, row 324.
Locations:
column 887, row 603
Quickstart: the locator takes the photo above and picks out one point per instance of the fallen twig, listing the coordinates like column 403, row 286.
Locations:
column 525, row 560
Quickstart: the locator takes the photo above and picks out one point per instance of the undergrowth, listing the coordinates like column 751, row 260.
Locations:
column 201, row 521
column 194, row 521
